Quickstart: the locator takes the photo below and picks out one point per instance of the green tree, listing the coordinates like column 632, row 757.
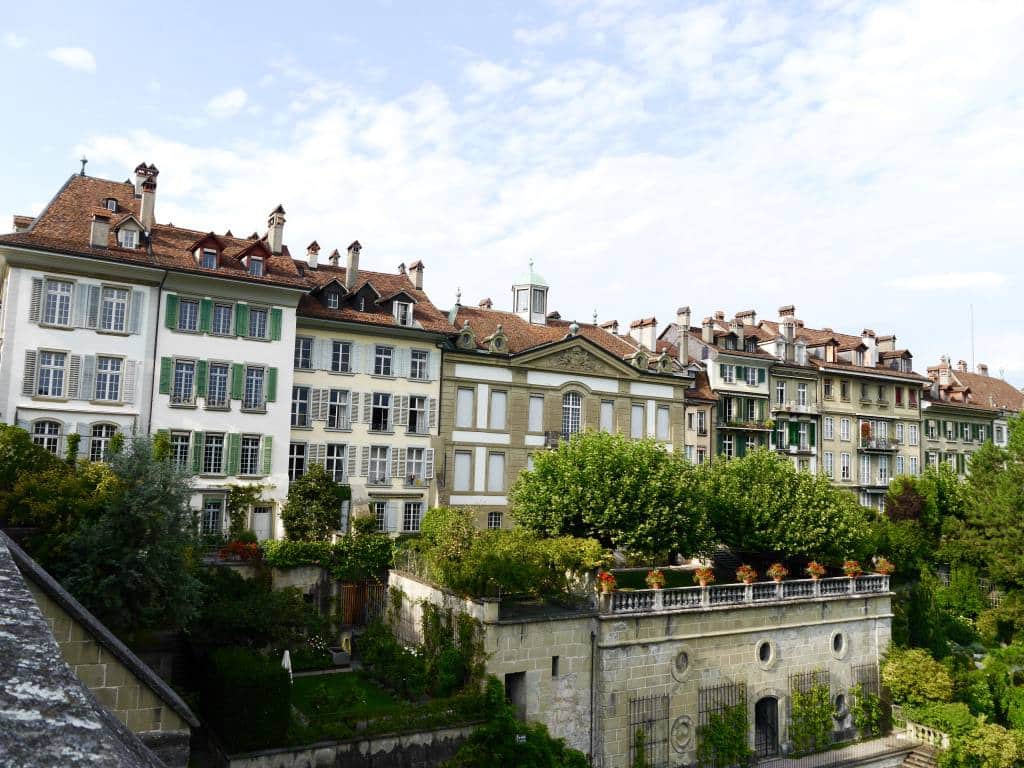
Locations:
column 987, row 746
column 241, row 498
column 761, row 503
column 130, row 561
column 630, row 494
column 313, row 508
column 914, row 677
column 18, row 456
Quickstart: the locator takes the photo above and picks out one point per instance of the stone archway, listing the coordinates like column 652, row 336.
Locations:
column 766, row 726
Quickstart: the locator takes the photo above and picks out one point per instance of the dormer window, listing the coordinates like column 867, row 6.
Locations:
column 256, row 266
column 208, row 258
column 332, row 300
column 110, row 204
column 127, row 238
column 403, row 313
column 751, row 345
column 539, row 300
column 858, row 357
column 522, row 300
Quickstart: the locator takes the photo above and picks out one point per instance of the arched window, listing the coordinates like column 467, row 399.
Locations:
column 47, row 434
column 572, row 407
column 99, row 441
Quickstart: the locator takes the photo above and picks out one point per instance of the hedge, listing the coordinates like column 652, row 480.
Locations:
column 952, row 718
column 246, row 699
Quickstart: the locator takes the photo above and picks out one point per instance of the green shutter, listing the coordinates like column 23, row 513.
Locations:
column 271, row 385
column 812, row 430
column 268, row 442
column 206, row 315
column 721, row 370
column 794, row 433
column 237, row 380
column 234, row 453
column 760, row 375
column 201, row 367
column 740, row 443
column 165, row 375
column 197, row 452
column 241, row 320
column 275, row 324
column 741, row 373
column 171, row 311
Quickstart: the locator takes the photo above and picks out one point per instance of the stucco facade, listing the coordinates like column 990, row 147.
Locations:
column 953, row 432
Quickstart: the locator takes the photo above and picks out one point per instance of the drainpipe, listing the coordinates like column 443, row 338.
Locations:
column 156, row 362
column 593, row 676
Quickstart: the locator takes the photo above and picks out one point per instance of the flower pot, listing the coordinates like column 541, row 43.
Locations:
column 703, row 583
column 654, row 586
column 777, row 579
column 340, row 658
column 606, row 589
column 748, row 581
column 815, row 576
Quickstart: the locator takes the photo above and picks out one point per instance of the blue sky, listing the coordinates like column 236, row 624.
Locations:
column 862, row 160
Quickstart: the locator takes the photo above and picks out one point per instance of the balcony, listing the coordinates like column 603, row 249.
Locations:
column 883, row 444
column 378, row 480
column 752, row 426
column 793, row 406
column 179, row 398
column 344, row 424
column 415, row 481
column 803, row 447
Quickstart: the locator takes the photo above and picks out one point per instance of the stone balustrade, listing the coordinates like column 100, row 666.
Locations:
column 738, row 595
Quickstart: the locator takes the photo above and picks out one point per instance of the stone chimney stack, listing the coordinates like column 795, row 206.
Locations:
column 141, row 174
column 486, row 303
column 275, row 230
column 737, row 327
column 352, row 265
column 147, row 206
column 747, row 317
column 945, row 376
column 334, row 258
column 886, row 343
column 982, row 369
column 645, row 331
column 961, row 366
column 417, row 274
column 683, row 336
column 612, row 326
column 707, row 331
column 871, row 353
column 100, row 231
column 720, row 315
column 312, row 254
column 789, row 310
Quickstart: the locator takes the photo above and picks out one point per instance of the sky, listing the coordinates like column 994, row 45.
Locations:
column 861, row 160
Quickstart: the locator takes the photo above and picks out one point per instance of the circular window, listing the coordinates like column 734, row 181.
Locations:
column 838, row 644
column 681, row 664
column 764, row 652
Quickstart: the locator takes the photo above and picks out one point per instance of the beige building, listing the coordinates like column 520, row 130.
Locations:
column 957, row 384
column 365, row 398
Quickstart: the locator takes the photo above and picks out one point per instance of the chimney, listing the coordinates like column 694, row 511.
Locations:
column 334, row 258
column 886, row 343
column 683, row 335
column 719, row 315
column 961, row 366
column 982, row 369
column 707, row 331
column 737, row 327
column 275, row 230
column 944, row 372
column 788, row 310
column 486, row 303
column 789, row 334
column 312, row 254
column 147, row 208
column 100, row 232
column 352, row 265
column 141, row 174
column 417, row 274
column 612, row 326
column 645, row 331
column 870, row 354
column 747, row 317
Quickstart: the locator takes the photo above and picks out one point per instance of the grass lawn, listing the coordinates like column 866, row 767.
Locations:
column 348, row 694
column 635, row 579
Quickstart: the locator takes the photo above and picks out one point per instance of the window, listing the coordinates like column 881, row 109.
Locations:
column 256, row 266
column 332, row 300
column 300, row 406
column 403, row 313
column 418, row 361
column 411, row 515
column 212, row 513
column 781, row 436
column 780, row 392
column 728, row 373
column 881, row 430
column 802, row 433
column 208, row 258
column 844, row 390
column 341, row 357
column 751, row 410
column 213, row 454
column 844, row 466
column 864, row 393
column 899, row 433
column 701, row 456
column 536, row 413
column 127, row 238
column 912, row 398
column 931, row 429
column 380, row 465
column 965, row 432
column 184, row 382
column 464, row 407
column 828, row 424
column 113, row 309
column 338, row 410
column 826, row 386
column 801, row 394
column 47, row 435
column 57, row 310
column 380, row 413
column 51, row 374
column 296, row 460
column 752, row 376
column 179, row 449
column 844, row 429
column 415, row 464
column 899, row 465
column 702, row 426
column 858, row 357
column 188, row 315
column 493, row 520
column 572, row 412
column 752, row 444
column 380, row 514
column 108, row 378
column 950, row 431
column 303, row 352
column 913, row 465
column 999, row 435
column 688, row 451
column 538, row 301
column 252, row 399
column 881, row 393
column 912, row 434
column 335, row 463
column 495, row 472
column 222, row 314
column 418, row 415
column 383, row 359
column 607, row 416
column 110, row 204
column 217, row 386
column 662, row 429
column 636, row 421
column 899, row 395
column 249, row 456
column 829, row 465
column 257, row 323
column 496, row 413
column 728, row 448
column 883, row 470
column 463, row 470
column 522, row 300
column 865, row 469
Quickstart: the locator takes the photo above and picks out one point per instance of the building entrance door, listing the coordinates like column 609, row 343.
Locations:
column 766, row 726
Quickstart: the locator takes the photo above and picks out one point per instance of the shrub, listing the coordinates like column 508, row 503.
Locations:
column 867, row 712
column 987, row 746
column 313, row 508
column 914, row 677
column 811, row 719
column 954, row 718
column 390, row 664
column 246, row 699
column 1015, row 708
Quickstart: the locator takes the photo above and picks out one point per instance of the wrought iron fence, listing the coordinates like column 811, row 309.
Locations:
column 717, row 700
column 648, row 724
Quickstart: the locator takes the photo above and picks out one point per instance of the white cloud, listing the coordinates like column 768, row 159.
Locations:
column 227, row 104
column 948, row 281
column 74, row 58
column 491, row 78
column 14, row 40
column 545, row 35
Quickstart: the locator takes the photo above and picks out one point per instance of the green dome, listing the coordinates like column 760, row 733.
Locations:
column 531, row 278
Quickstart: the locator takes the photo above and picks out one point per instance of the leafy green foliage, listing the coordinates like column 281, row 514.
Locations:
column 987, row 746
column 19, row 456
column 640, row 749
column 914, row 677
column 366, row 554
column 954, row 718
column 387, row 662
column 723, row 741
column 629, row 494
column 242, row 498
column 313, row 509
column 1014, row 701
column 505, row 741
column 246, row 699
column 867, row 712
column 811, row 724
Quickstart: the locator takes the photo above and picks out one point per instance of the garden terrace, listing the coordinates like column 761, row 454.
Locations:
column 738, row 595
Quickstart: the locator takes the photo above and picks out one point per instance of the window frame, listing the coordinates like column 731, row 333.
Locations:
column 296, row 407
column 339, row 409
column 229, row 310
column 256, row 312
column 303, row 357
column 59, row 308
column 193, row 304
column 468, row 459
column 209, row 450
column 341, row 352
column 381, row 402
column 412, row 516
column 117, row 377
column 44, row 438
column 51, row 368
column 298, row 457
column 423, row 364
column 259, row 405
column 178, row 438
column 210, row 402
column 115, row 301
column 495, row 459
column 384, row 360
column 254, row 458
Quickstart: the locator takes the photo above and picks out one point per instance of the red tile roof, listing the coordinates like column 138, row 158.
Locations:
column 986, row 391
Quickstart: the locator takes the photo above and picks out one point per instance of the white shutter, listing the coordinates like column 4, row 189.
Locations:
column 434, row 366
column 391, row 413
column 325, row 404
column 428, row 464
column 128, row 393
column 80, row 306
column 318, row 454
column 316, row 354
column 367, row 406
column 85, row 434
column 36, row 302
column 355, row 360
column 74, row 374
column 315, row 401
column 394, row 515
column 87, row 387
column 28, row 380
column 350, row 456
column 138, row 303
column 403, row 357
column 403, row 467
column 403, row 410
column 92, row 319
column 432, row 412
column 364, row 464
column 396, row 471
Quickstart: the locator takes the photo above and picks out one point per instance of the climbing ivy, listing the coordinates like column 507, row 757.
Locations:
column 811, row 721
column 241, row 498
column 867, row 711
column 640, row 749
column 723, row 741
